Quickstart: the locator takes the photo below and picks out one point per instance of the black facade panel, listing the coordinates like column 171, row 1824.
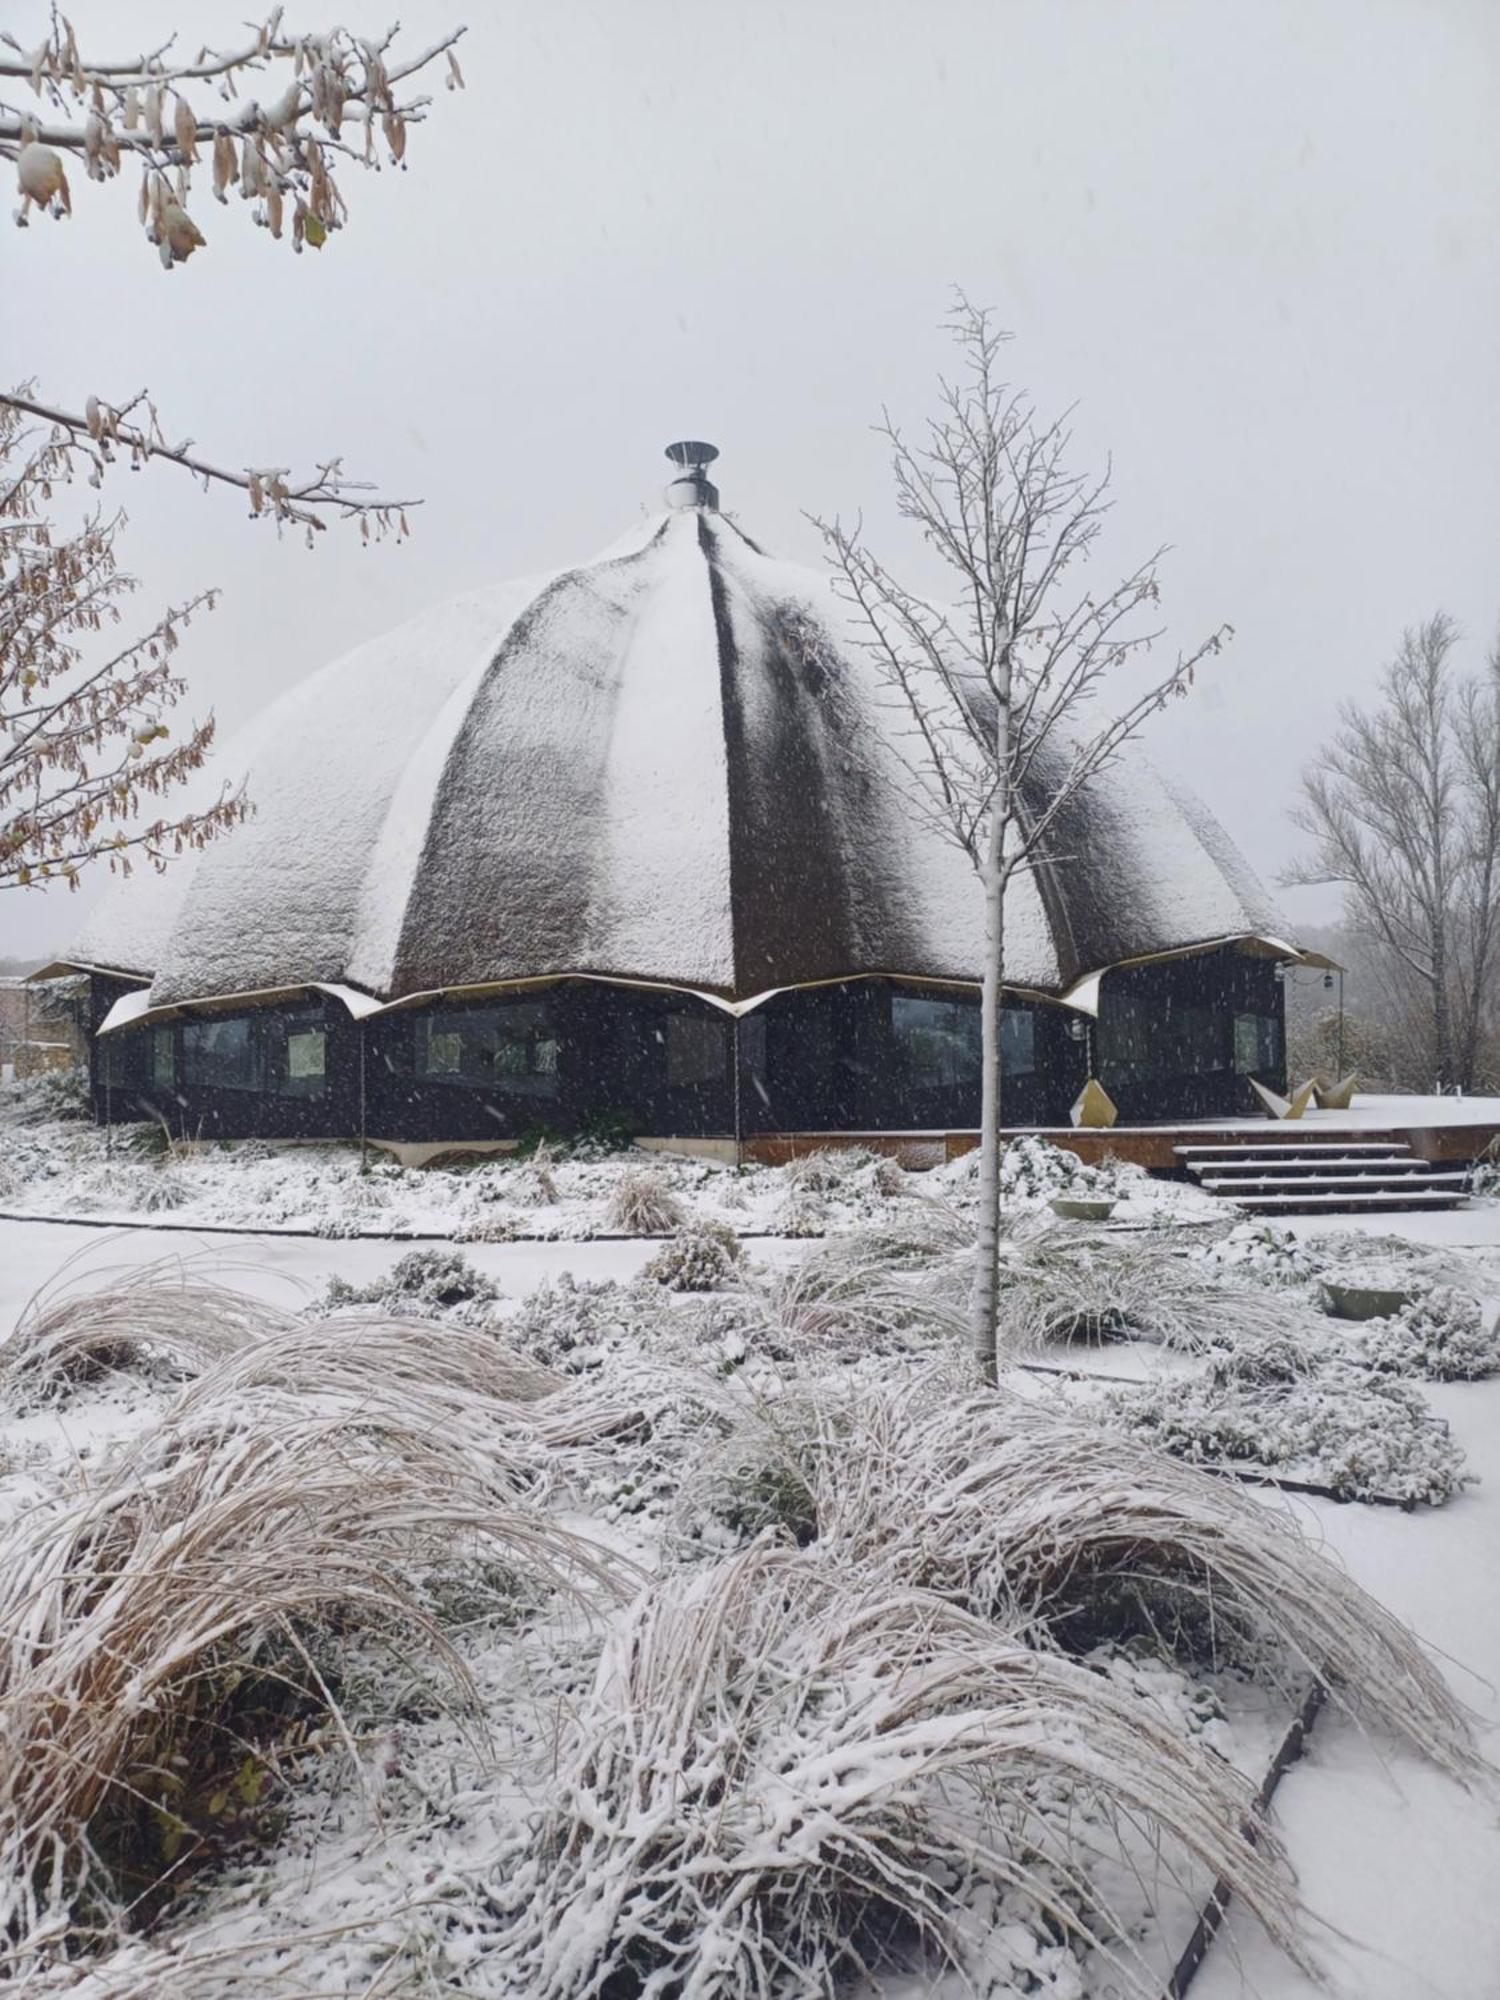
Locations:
column 1178, row 1039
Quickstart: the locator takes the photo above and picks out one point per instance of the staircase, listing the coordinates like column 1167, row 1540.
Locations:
column 1318, row 1176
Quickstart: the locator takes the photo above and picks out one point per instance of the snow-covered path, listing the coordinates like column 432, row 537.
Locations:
column 1388, row 1853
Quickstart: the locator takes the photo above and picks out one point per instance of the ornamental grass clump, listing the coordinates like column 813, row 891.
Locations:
column 843, row 1302
column 789, row 1773
column 643, row 1205
column 280, row 1512
column 1061, row 1527
column 1063, row 1283
column 160, row 1317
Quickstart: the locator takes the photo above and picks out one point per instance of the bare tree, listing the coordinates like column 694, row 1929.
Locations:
column 1403, row 810
column 997, row 687
column 156, row 109
column 83, row 741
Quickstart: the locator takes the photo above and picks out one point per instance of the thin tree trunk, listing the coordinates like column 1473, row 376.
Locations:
column 1442, row 1031
column 984, row 1304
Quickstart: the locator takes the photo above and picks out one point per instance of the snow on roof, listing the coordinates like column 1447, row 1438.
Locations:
column 670, row 764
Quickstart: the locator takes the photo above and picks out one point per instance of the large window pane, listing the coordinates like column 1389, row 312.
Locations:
column 222, row 1055
column 1257, row 1044
column 1017, row 1041
column 697, row 1049
column 939, row 1041
column 163, row 1058
column 514, row 1048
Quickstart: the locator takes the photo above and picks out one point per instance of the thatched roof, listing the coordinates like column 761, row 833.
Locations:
column 669, row 764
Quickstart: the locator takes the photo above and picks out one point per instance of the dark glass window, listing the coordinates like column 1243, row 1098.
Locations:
column 222, row 1054
column 1017, row 1041
column 1196, row 1040
column 1130, row 1036
column 1257, row 1044
column 512, row 1048
column 939, row 1041
column 697, row 1049
column 163, row 1057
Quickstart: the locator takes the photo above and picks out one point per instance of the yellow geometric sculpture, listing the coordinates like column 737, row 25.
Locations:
column 1284, row 1107
column 1338, row 1096
column 1094, row 1106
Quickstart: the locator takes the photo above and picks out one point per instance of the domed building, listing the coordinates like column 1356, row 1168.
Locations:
column 628, row 846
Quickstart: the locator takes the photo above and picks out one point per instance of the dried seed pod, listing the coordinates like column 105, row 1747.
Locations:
column 40, row 173
column 185, row 129
column 226, row 164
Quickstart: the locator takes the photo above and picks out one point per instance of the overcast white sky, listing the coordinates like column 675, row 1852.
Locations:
column 1255, row 241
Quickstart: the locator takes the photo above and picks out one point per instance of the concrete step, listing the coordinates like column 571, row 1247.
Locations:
column 1331, row 1163
column 1237, row 1190
column 1298, row 1146
column 1306, row 1201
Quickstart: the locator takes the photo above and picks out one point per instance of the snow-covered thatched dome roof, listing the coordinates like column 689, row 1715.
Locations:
column 670, row 764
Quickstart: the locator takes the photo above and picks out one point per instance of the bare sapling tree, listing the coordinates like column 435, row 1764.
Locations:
column 1402, row 809
column 998, row 686
column 84, row 745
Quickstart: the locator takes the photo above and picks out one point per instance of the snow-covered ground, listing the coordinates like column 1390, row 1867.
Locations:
column 73, row 1170
column 1402, row 1864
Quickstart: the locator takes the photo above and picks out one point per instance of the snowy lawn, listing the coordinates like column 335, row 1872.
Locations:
column 1391, row 1853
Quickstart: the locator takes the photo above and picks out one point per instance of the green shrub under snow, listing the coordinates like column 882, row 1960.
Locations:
column 428, row 1282
column 1441, row 1335
column 701, row 1257
column 1364, row 1435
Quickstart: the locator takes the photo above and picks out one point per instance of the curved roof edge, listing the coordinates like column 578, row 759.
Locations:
column 133, row 1010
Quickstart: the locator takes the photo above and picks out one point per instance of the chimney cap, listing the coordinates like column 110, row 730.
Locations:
column 692, row 454
column 692, row 487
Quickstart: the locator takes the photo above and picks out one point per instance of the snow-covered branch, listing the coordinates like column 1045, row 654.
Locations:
column 281, row 156
column 103, row 433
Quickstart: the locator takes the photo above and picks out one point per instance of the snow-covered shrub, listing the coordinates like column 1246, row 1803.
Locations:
column 1364, row 1436
column 430, row 1282
column 575, row 1325
column 702, row 1257
column 53, row 1096
column 643, row 1205
column 783, row 1769
column 1261, row 1253
column 801, row 1212
column 481, row 1228
column 1484, row 1175
column 1440, row 1335
column 1033, row 1171
column 145, row 1597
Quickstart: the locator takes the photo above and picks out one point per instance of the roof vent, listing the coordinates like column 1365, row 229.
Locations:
column 692, row 487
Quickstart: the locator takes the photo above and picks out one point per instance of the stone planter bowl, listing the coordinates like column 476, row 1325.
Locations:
column 1351, row 1299
column 1081, row 1208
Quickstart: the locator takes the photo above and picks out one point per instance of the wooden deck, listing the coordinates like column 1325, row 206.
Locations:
column 1150, row 1146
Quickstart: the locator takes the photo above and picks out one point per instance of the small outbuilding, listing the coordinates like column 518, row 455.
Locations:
column 629, row 846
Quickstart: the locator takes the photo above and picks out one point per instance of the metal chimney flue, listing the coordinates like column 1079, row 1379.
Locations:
column 692, row 486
